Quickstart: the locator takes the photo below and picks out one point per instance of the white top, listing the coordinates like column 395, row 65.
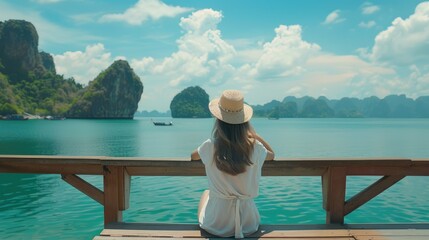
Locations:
column 230, row 209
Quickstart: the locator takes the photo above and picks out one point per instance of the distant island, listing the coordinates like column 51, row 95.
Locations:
column 192, row 103
column 30, row 85
column 152, row 113
column 392, row 106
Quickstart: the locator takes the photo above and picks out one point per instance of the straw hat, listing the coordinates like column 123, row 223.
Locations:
column 230, row 108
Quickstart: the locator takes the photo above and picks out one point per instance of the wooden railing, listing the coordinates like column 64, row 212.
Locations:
column 116, row 174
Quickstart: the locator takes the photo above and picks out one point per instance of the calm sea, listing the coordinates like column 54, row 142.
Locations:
column 45, row 207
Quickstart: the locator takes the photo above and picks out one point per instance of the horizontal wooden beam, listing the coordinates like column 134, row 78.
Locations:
column 144, row 161
column 50, row 168
column 412, row 170
column 185, row 167
column 46, row 159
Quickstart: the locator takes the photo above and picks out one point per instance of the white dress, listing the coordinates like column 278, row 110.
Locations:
column 230, row 209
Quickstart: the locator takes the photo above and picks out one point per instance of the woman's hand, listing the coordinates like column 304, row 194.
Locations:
column 195, row 156
column 270, row 153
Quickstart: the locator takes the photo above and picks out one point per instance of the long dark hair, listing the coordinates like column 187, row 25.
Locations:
column 233, row 146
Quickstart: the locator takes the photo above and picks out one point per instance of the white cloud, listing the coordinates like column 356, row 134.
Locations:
column 144, row 10
column 297, row 67
column 369, row 8
column 286, row 65
column 285, row 54
column 368, row 24
column 403, row 46
column 202, row 53
column 203, row 58
column 337, row 76
column 406, row 41
column 84, row 66
column 333, row 17
column 419, row 79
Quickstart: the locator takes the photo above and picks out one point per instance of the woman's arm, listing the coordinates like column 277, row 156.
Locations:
column 195, row 155
column 270, row 152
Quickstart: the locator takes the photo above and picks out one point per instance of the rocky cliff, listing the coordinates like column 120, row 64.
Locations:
column 28, row 80
column 19, row 52
column 114, row 94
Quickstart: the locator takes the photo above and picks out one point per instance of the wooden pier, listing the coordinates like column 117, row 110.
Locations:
column 117, row 174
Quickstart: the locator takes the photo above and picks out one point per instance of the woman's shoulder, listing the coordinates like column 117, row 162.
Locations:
column 257, row 143
column 206, row 145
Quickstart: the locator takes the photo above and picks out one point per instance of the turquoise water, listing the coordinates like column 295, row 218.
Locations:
column 45, row 207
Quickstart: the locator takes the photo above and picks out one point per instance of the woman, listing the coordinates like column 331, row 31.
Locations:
column 233, row 160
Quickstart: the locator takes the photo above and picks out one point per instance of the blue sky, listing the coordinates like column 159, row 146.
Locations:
column 267, row 49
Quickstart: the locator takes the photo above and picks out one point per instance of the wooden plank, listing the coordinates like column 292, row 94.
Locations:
column 197, row 233
column 153, row 229
column 144, row 238
column 112, row 212
column 84, row 187
column 134, row 161
column 413, row 170
column 335, row 194
column 165, row 171
column 390, row 238
column 370, row 192
column 172, row 170
column 276, row 170
column 193, row 230
column 185, row 167
column 47, row 159
column 185, row 238
column 50, row 168
column 420, row 162
column 390, row 232
column 306, row 231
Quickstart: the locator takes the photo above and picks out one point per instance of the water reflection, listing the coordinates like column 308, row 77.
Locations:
column 19, row 191
column 30, row 146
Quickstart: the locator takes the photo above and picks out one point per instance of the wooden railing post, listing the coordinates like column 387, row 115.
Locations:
column 124, row 188
column 334, row 191
column 112, row 212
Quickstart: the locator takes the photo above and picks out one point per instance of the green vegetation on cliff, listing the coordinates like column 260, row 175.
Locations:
column 28, row 82
column 192, row 102
column 115, row 93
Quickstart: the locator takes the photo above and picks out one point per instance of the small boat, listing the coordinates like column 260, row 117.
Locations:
column 162, row 123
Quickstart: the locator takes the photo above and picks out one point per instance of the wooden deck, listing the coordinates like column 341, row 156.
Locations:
column 117, row 172
column 135, row 231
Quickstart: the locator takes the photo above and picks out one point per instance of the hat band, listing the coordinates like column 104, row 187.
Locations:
column 229, row 111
